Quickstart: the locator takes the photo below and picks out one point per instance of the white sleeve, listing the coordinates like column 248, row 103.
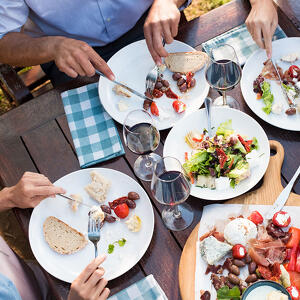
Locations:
column 13, row 15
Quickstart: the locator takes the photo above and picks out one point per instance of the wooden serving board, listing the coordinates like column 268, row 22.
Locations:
column 266, row 194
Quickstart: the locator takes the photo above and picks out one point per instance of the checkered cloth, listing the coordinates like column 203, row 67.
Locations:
column 94, row 134
column 240, row 39
column 145, row 289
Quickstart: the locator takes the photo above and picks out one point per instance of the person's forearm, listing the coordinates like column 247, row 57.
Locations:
column 253, row 2
column 6, row 201
column 19, row 49
column 178, row 3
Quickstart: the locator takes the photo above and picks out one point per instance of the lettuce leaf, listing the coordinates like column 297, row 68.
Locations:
column 225, row 128
column 267, row 96
column 196, row 162
column 224, row 293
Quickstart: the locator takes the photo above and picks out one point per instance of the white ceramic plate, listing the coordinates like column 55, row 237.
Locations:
column 68, row 267
column 244, row 125
column 131, row 65
column 253, row 68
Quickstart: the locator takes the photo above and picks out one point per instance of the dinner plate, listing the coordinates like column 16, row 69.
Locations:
column 131, row 65
column 253, row 68
column 68, row 267
column 242, row 124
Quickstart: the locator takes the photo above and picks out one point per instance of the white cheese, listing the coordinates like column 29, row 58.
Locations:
column 161, row 68
column 74, row 204
column 97, row 213
column 120, row 91
column 290, row 57
column 134, row 223
column 163, row 115
column 122, row 106
column 213, row 250
column 277, row 108
column 297, row 85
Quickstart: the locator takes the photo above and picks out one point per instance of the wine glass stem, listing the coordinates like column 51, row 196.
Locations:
column 148, row 163
column 224, row 98
column 176, row 213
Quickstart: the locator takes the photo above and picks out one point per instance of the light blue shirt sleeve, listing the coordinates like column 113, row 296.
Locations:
column 8, row 291
column 13, row 15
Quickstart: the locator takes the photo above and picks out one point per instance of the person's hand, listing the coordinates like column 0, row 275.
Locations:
column 162, row 22
column 90, row 284
column 262, row 22
column 31, row 190
column 75, row 58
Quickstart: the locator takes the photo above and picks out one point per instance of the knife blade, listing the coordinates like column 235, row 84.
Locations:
column 290, row 102
column 126, row 87
column 283, row 196
column 71, row 199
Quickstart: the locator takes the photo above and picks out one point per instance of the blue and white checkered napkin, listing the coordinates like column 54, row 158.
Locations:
column 94, row 134
column 145, row 289
column 240, row 39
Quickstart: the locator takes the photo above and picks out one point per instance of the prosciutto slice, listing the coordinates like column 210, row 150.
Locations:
column 269, row 71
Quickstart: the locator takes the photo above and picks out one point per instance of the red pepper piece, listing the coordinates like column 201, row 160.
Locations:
column 264, row 272
column 189, row 77
column 198, row 140
column 170, row 94
column 222, row 157
column 186, row 156
column 292, row 69
column 179, row 106
column 292, row 263
column 295, row 237
column 256, row 217
column 288, row 253
column 297, row 269
column 281, row 219
column 157, row 93
column 245, row 144
column 294, row 292
column 116, row 202
column 239, row 251
column 154, row 109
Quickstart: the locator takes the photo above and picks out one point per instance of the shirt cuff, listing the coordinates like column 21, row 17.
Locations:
column 185, row 5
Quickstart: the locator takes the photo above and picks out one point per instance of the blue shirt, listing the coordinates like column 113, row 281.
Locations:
column 97, row 22
column 8, row 291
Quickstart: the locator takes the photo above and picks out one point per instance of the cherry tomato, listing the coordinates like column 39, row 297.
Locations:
column 239, row 251
column 256, row 217
column 157, row 93
column 179, row 106
column 294, row 292
column 122, row 210
column 171, row 94
column 154, row 109
column 281, row 219
column 293, row 71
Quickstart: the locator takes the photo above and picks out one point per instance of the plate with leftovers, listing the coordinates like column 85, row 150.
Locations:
column 58, row 228
column 238, row 247
column 177, row 93
column 225, row 165
column 261, row 87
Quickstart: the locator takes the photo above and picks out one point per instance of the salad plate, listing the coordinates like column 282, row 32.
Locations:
column 131, row 65
column 67, row 267
column 219, row 179
column 281, row 50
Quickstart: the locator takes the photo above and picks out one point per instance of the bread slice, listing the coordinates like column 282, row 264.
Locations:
column 61, row 237
column 184, row 62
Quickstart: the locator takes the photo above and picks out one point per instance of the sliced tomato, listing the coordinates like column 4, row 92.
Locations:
column 179, row 106
column 222, row 157
column 157, row 93
column 295, row 237
column 170, row 94
column 122, row 210
column 154, row 109
column 256, row 217
column 292, row 70
column 245, row 144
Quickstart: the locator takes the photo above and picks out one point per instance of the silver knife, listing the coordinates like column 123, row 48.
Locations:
column 69, row 198
column 282, row 198
column 126, row 87
column 207, row 103
column 290, row 102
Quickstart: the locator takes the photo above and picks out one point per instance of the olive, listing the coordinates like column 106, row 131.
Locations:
column 110, row 219
column 133, row 196
column 106, row 209
column 130, row 203
column 234, row 269
column 181, row 81
column 251, row 278
column 239, row 263
column 205, row 296
column 290, row 111
column 233, row 279
column 193, row 82
column 165, row 83
column 183, row 88
column 252, row 267
column 176, row 76
column 248, row 259
column 158, row 85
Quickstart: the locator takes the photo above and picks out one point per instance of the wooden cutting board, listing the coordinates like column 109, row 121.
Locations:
column 266, row 194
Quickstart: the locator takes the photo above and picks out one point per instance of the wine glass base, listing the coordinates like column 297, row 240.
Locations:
column 178, row 223
column 144, row 164
column 231, row 102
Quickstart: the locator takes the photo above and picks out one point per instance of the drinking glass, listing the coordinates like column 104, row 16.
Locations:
column 170, row 186
column 142, row 137
column 223, row 73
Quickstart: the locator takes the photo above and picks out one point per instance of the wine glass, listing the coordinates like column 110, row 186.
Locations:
column 223, row 73
column 170, row 186
column 142, row 137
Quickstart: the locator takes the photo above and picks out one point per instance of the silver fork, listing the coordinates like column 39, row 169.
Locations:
column 94, row 232
column 152, row 76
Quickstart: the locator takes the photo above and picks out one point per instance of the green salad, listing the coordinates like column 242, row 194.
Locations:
column 223, row 155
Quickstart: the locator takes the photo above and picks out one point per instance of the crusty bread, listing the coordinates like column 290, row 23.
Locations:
column 184, row 62
column 61, row 237
column 98, row 188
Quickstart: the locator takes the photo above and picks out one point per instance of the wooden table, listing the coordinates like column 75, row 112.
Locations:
column 35, row 137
